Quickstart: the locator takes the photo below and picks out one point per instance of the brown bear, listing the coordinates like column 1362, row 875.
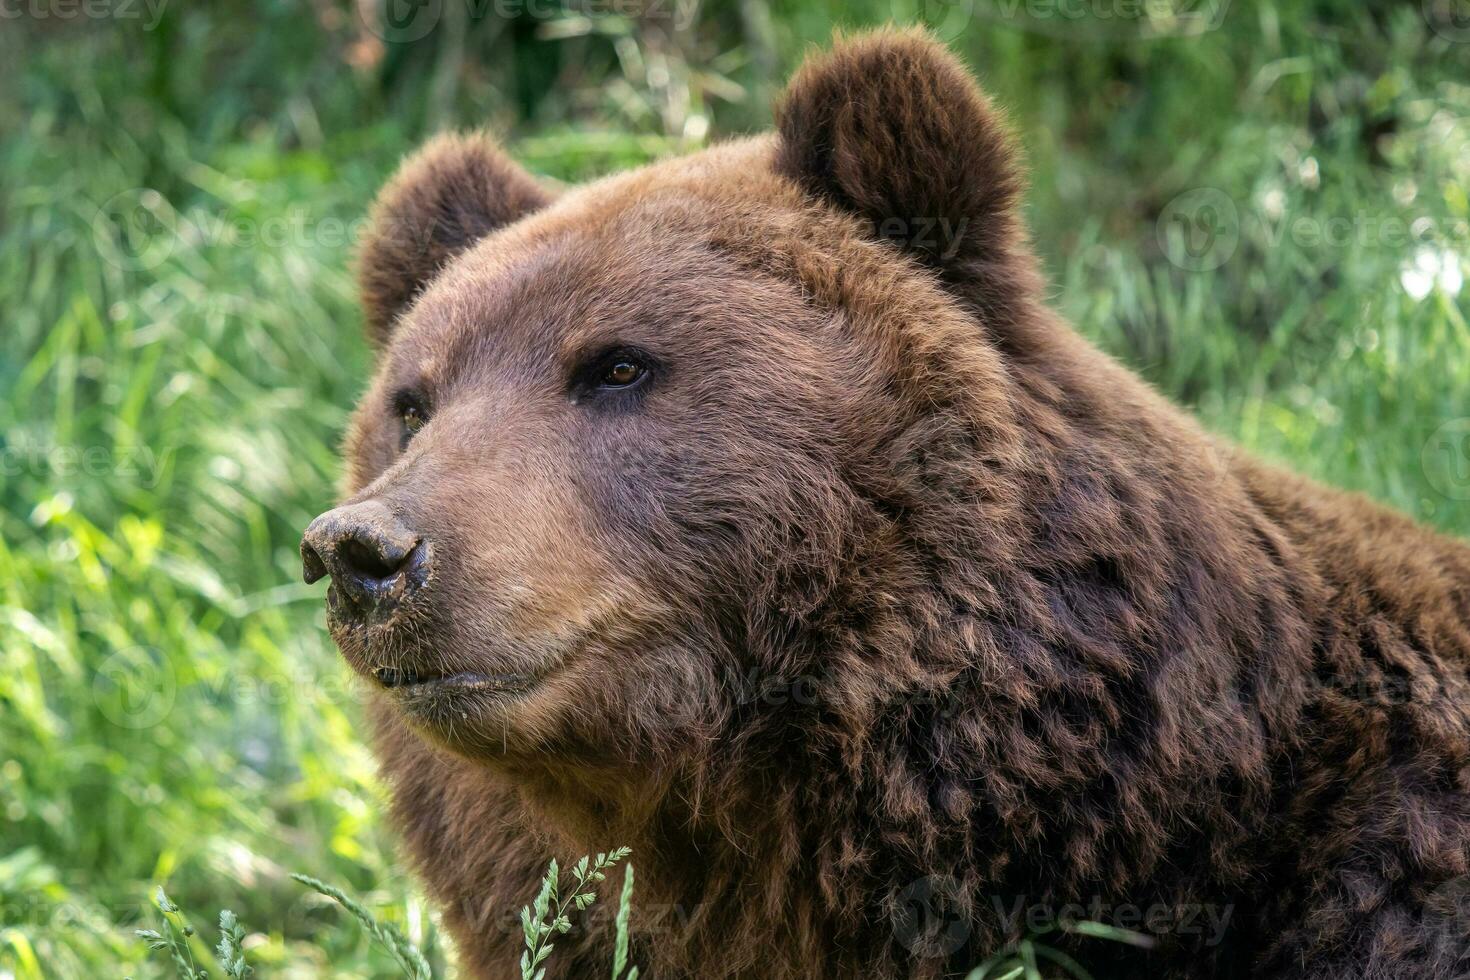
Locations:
column 751, row 509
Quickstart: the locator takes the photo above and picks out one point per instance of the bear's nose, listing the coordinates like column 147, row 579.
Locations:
column 374, row 560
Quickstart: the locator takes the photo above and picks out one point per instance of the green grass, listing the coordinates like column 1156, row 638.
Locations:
column 181, row 349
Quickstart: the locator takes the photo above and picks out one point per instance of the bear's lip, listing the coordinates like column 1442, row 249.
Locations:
column 408, row 680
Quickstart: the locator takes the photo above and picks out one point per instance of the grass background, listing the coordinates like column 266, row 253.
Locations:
column 179, row 188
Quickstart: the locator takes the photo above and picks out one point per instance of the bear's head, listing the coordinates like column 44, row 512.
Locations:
column 647, row 455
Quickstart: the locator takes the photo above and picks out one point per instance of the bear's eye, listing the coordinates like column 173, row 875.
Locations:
column 621, row 373
column 616, row 377
column 618, row 370
column 412, row 415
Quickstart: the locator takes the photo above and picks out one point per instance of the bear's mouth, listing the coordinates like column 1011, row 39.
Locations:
column 407, row 680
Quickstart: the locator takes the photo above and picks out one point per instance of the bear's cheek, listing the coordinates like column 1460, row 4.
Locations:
column 522, row 557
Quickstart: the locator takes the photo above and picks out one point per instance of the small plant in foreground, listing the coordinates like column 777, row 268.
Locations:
column 231, row 951
column 620, row 945
column 398, row 945
column 176, row 933
column 547, row 917
column 550, row 914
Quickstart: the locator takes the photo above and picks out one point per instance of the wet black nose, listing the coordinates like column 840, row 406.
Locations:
column 374, row 560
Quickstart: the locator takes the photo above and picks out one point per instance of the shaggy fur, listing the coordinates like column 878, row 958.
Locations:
column 888, row 618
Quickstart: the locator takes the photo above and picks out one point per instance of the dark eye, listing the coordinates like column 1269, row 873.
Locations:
column 616, row 377
column 621, row 371
column 412, row 415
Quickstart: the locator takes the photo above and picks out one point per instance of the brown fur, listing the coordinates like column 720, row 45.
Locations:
column 889, row 591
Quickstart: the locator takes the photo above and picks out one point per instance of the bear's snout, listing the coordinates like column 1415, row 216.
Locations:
column 375, row 561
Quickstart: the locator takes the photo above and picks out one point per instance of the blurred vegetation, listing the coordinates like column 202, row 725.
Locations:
column 180, row 182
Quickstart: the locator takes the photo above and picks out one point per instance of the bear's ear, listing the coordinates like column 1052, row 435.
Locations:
column 443, row 199
column 892, row 127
